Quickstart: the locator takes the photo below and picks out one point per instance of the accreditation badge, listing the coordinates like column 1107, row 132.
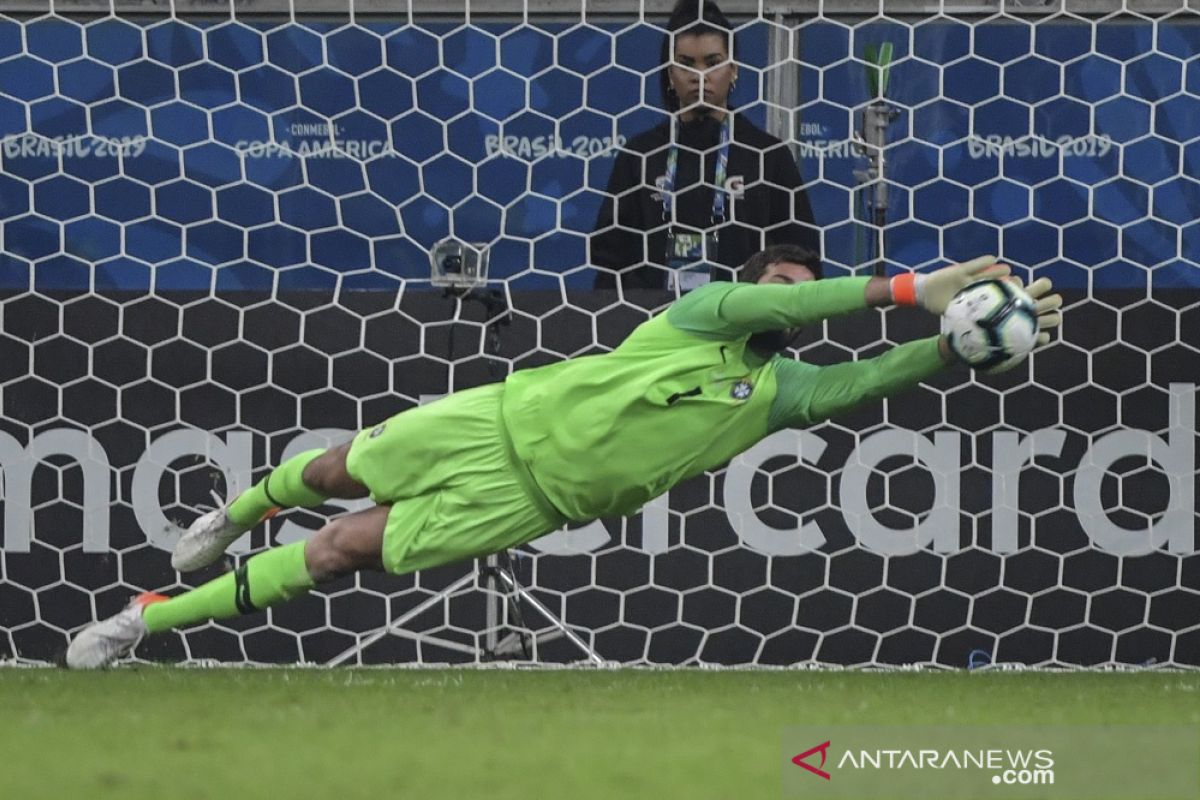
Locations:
column 688, row 256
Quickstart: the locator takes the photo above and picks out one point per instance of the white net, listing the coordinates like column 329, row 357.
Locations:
column 215, row 237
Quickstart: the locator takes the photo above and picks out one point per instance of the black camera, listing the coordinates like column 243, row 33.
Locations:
column 458, row 265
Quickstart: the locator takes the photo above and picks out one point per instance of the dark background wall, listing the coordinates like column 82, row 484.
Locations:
column 128, row 371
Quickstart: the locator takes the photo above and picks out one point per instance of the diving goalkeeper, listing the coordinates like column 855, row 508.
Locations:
column 493, row 467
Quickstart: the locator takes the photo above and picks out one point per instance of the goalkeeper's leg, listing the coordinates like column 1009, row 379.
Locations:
column 347, row 544
column 303, row 481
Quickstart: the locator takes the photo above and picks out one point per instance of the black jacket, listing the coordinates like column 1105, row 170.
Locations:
column 772, row 210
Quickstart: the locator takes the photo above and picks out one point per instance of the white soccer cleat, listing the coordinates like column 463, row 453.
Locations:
column 205, row 540
column 102, row 643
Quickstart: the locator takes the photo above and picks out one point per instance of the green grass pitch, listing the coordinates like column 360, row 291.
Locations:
column 284, row 734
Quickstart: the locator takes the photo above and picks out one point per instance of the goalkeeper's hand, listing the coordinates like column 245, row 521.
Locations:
column 933, row 292
column 1049, row 314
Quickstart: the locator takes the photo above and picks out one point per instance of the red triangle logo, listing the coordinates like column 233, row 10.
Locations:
column 800, row 762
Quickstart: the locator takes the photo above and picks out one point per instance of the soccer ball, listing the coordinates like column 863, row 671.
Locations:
column 991, row 325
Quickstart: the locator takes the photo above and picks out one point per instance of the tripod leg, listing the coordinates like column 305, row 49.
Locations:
column 554, row 621
column 514, row 606
column 400, row 621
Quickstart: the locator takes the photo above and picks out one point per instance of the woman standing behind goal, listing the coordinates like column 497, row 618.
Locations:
column 692, row 199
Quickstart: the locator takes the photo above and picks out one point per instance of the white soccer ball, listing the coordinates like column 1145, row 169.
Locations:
column 991, row 325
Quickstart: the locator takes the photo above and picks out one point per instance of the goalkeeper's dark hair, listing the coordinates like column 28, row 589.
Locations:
column 757, row 264
column 691, row 18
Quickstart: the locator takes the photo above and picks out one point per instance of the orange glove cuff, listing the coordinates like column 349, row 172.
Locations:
column 904, row 289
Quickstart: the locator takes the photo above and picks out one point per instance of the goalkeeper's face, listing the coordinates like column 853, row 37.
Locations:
column 786, row 272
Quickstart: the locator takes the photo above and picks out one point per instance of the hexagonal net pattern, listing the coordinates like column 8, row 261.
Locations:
column 215, row 254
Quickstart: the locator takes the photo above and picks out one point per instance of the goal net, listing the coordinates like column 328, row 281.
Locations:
column 215, row 237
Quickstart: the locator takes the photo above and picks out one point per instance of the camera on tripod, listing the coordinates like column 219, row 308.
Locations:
column 458, row 266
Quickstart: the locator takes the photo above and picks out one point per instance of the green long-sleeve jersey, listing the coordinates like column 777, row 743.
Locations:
column 601, row 435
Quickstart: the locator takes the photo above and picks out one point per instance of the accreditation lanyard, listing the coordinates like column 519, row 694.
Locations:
column 668, row 188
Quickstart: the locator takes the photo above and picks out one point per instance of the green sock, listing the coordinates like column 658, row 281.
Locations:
column 282, row 488
column 265, row 579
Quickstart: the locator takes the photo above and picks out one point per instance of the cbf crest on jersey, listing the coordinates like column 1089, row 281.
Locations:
column 741, row 390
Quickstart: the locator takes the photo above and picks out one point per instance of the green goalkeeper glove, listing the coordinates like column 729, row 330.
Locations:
column 934, row 291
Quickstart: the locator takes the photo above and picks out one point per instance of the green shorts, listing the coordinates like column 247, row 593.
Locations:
column 455, row 485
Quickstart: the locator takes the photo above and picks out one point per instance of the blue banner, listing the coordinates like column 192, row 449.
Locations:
column 227, row 156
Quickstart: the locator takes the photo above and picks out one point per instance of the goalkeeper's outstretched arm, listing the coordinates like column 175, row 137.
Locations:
column 724, row 310
column 747, row 308
column 809, row 394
